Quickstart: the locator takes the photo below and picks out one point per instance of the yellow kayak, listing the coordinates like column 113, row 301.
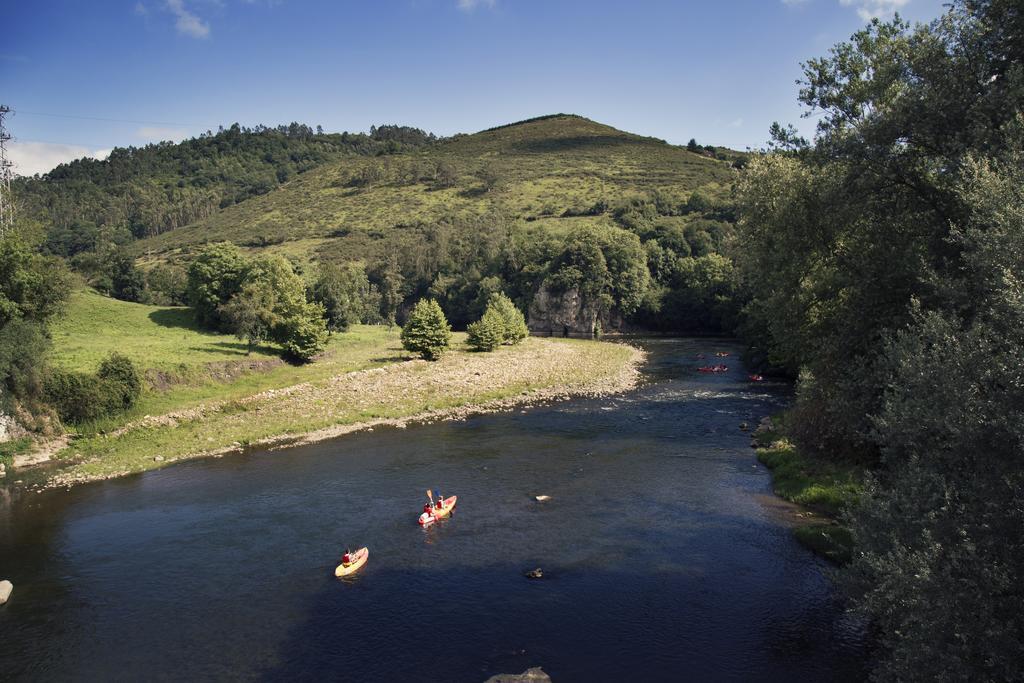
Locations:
column 356, row 560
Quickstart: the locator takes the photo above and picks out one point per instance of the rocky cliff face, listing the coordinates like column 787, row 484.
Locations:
column 564, row 314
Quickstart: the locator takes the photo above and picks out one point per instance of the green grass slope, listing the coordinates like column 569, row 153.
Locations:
column 537, row 170
column 185, row 365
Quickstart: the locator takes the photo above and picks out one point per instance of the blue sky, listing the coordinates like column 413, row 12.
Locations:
column 134, row 72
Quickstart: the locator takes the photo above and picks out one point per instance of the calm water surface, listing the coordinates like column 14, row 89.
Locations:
column 665, row 563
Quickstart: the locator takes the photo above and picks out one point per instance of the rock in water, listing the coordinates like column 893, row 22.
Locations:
column 5, row 591
column 534, row 675
column 537, row 573
column 541, row 499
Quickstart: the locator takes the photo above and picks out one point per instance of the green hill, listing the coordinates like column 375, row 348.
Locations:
column 555, row 171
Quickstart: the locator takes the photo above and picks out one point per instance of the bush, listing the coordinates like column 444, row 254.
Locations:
column 427, row 331
column 120, row 372
column 487, row 333
column 78, row 397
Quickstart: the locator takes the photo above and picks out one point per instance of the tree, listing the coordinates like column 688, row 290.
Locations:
column 346, row 295
column 426, row 332
column 213, row 278
column 251, row 313
column 303, row 333
column 513, row 323
column 32, row 287
column 884, row 263
column 488, row 333
column 271, row 304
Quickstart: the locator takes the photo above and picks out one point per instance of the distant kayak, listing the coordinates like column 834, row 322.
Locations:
column 755, row 378
column 356, row 560
column 713, row 368
column 436, row 513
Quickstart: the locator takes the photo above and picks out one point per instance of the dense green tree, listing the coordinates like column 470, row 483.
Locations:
column 271, row 304
column 346, row 295
column 251, row 313
column 487, row 333
column 213, row 278
column 884, row 263
column 166, row 285
column 426, row 332
column 607, row 266
column 513, row 322
column 303, row 333
column 32, row 287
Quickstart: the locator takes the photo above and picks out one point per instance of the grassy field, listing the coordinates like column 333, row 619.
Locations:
column 202, row 394
column 823, row 486
column 185, row 366
column 541, row 170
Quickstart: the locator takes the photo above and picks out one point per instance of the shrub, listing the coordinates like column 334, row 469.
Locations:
column 427, row 331
column 120, row 372
column 79, row 396
column 487, row 333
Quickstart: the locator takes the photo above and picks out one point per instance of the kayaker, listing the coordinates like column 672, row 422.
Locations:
column 428, row 507
column 346, row 559
column 440, row 502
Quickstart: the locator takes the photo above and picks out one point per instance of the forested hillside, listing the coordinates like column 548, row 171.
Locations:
column 508, row 209
column 145, row 191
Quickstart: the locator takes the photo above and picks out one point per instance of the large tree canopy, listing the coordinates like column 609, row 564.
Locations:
column 884, row 264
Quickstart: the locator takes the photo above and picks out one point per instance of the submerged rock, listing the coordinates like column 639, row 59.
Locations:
column 532, row 675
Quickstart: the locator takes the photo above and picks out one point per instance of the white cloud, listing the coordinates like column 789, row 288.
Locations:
column 470, row 5
column 187, row 23
column 159, row 134
column 30, row 158
column 875, row 9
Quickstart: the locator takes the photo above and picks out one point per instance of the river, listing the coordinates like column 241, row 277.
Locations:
column 664, row 558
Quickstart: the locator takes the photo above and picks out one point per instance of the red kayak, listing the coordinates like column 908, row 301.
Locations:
column 755, row 378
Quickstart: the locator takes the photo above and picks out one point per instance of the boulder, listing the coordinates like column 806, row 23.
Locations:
column 5, row 591
column 562, row 314
column 764, row 426
column 533, row 675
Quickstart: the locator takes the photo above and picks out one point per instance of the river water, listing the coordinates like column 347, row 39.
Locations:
column 664, row 558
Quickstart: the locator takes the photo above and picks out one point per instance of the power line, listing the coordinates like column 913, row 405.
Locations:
column 100, row 118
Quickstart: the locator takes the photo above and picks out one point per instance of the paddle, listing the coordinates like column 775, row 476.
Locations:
column 430, row 496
